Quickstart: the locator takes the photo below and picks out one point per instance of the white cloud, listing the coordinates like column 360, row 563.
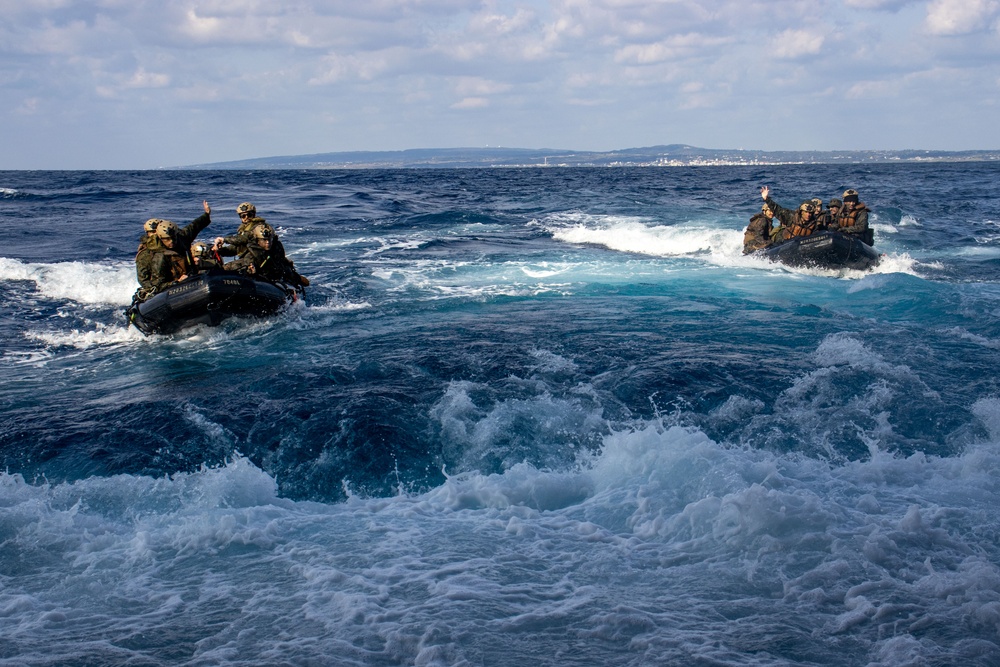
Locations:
column 960, row 17
column 471, row 103
column 400, row 72
column 885, row 5
column 143, row 79
column 797, row 43
column 671, row 48
column 477, row 86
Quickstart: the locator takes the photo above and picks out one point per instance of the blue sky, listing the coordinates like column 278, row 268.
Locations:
column 134, row 84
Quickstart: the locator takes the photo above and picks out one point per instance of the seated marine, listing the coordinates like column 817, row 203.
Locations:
column 236, row 244
column 149, row 245
column 171, row 260
column 203, row 257
column 264, row 258
column 758, row 232
column 798, row 222
column 853, row 218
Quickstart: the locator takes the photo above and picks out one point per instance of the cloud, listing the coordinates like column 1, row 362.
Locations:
column 671, row 48
column 397, row 73
column 797, row 43
column 471, row 103
column 960, row 17
column 885, row 5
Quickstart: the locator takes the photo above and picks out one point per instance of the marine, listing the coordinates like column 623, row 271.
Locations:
column 797, row 222
column 758, row 232
column 853, row 218
column 236, row 244
column 149, row 245
column 204, row 258
column 829, row 216
column 265, row 259
column 171, row 261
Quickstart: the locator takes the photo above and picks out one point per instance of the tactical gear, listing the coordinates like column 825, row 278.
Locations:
column 835, row 203
column 150, row 225
column 854, row 221
column 246, row 208
column 850, row 196
column 200, row 249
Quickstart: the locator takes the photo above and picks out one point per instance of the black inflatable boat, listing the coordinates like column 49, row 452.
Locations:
column 825, row 250
column 207, row 298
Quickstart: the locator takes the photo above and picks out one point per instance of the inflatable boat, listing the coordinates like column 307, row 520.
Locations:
column 825, row 250
column 207, row 298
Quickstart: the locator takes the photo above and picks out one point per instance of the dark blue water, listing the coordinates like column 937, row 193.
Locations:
column 547, row 415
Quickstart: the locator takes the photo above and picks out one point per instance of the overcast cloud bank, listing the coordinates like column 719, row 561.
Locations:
column 139, row 84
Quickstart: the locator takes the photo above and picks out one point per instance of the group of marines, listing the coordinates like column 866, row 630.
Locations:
column 168, row 253
column 776, row 224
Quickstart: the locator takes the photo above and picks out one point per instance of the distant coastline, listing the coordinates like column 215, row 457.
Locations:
column 673, row 155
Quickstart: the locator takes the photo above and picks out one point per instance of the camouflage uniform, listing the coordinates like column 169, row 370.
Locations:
column 855, row 223
column 792, row 222
column 169, row 264
column 149, row 245
column 236, row 244
column 757, row 234
column 268, row 264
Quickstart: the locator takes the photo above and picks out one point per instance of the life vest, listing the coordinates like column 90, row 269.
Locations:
column 801, row 228
column 180, row 263
column 850, row 218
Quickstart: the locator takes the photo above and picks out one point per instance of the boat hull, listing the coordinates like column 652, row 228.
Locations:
column 207, row 298
column 826, row 249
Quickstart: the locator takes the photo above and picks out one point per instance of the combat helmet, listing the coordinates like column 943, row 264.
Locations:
column 150, row 225
column 807, row 207
column 263, row 233
column 246, row 208
column 850, row 196
column 200, row 249
column 166, row 229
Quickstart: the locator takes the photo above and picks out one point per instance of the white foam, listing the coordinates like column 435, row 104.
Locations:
column 638, row 235
column 103, row 335
column 879, row 552
column 723, row 247
column 82, row 282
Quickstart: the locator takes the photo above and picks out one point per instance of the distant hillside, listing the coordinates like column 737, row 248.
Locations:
column 666, row 156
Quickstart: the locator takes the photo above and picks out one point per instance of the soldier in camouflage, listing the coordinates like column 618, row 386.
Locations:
column 853, row 218
column 799, row 222
column 149, row 245
column 265, row 259
column 758, row 232
column 235, row 245
column 172, row 261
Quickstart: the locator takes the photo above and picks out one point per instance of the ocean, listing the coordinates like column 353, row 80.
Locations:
column 546, row 416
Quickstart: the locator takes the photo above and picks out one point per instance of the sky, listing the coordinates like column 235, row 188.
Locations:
column 143, row 84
